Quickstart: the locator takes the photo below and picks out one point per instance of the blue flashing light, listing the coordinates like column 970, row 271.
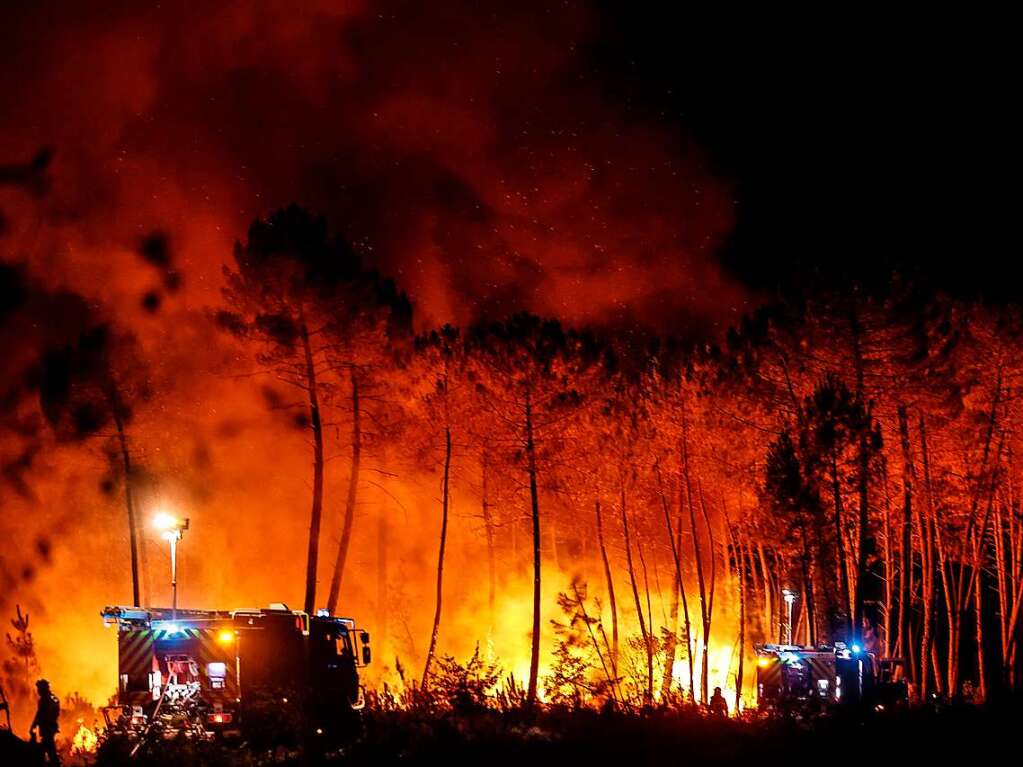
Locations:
column 856, row 649
column 169, row 627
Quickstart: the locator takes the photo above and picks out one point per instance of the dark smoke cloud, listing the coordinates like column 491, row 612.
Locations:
column 470, row 150
column 33, row 323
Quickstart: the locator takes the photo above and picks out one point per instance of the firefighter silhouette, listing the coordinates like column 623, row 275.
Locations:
column 46, row 721
column 718, row 705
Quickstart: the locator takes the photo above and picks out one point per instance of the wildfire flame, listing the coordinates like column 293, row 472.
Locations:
column 84, row 741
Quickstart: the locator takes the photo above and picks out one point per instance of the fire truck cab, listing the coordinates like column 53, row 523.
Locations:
column 795, row 676
column 198, row 669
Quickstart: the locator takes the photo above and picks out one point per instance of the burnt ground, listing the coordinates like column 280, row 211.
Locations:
column 965, row 736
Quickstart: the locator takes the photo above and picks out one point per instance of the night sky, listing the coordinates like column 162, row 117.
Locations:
column 858, row 142
column 602, row 162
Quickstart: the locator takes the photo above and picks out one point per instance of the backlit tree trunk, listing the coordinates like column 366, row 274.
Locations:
column 738, row 551
column 383, row 609
column 863, row 480
column 316, row 424
column 488, row 529
column 699, row 570
column 906, row 569
column 353, row 486
column 843, row 573
column 889, row 567
column 671, row 642
column 926, row 527
column 639, row 606
column 685, row 498
column 534, row 502
column 129, row 502
column 440, row 556
column 610, row 590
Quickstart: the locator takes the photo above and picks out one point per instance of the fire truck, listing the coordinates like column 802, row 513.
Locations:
column 205, row 673
column 794, row 677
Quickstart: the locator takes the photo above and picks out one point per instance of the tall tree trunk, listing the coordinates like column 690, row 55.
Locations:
column 952, row 615
column 639, row 607
column 649, row 607
column 808, row 600
column 708, row 620
column 1001, row 582
column 534, row 499
column 739, row 553
column 977, row 576
column 610, row 590
column 440, row 555
column 843, row 571
column 687, row 487
column 671, row 638
column 863, row 480
column 926, row 526
column 889, row 566
column 1013, row 557
column 770, row 593
column 129, row 502
column 353, row 486
column 906, row 575
column 699, row 577
column 978, row 608
column 488, row 527
column 938, row 564
column 315, row 422
column 382, row 628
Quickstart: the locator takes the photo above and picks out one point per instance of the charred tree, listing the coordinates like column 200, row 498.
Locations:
column 129, row 499
column 445, row 499
column 534, row 505
column 316, row 425
column 490, row 534
column 350, row 499
column 648, row 694
column 610, row 588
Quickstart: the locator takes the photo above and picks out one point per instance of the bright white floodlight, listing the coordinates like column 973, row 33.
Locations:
column 171, row 529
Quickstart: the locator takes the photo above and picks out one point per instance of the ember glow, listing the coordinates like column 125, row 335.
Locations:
column 456, row 321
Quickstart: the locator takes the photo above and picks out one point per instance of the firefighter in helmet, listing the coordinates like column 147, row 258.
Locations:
column 718, row 704
column 46, row 721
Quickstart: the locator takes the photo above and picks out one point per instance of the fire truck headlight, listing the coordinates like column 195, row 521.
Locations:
column 763, row 662
column 225, row 637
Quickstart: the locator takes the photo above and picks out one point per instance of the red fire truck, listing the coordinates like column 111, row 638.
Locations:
column 203, row 672
column 792, row 676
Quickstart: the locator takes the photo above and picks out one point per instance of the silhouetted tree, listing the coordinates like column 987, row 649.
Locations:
column 297, row 291
column 528, row 367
